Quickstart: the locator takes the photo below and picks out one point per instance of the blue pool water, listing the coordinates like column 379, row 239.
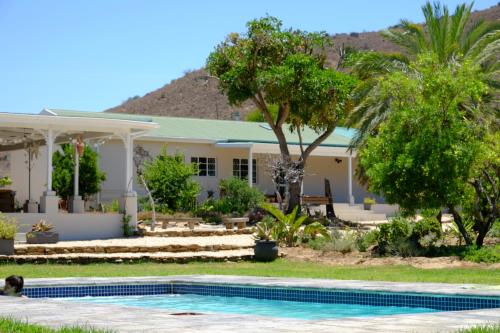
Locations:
column 251, row 306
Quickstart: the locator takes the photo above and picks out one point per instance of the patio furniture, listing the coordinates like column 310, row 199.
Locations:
column 231, row 222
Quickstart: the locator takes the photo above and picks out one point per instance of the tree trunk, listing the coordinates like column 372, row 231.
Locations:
column 294, row 200
column 458, row 220
column 330, row 212
column 480, row 238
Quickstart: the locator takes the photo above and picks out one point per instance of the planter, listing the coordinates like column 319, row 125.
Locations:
column 6, row 247
column 367, row 206
column 47, row 237
column 265, row 250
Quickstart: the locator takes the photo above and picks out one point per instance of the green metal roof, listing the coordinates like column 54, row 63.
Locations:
column 216, row 130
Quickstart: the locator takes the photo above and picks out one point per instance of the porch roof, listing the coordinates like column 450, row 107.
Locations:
column 213, row 131
column 17, row 128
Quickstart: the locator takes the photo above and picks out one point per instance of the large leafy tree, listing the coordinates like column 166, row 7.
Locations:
column 270, row 65
column 426, row 152
column 170, row 181
column 450, row 37
column 90, row 176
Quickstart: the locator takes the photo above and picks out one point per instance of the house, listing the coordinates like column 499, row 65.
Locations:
column 221, row 148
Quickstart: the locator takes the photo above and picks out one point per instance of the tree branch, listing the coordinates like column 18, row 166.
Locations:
column 317, row 142
column 300, row 140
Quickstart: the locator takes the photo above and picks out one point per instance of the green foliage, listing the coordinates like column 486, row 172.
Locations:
column 90, row 177
column 494, row 328
column 423, row 153
column 237, row 196
column 366, row 240
column 169, row 179
column 256, row 115
column 393, row 237
column 287, row 226
column 208, row 211
column 426, row 232
column 487, row 254
column 8, row 227
column 127, row 228
column 451, row 39
column 5, row 181
column 16, row 326
column 264, row 229
column 313, row 230
column 369, row 201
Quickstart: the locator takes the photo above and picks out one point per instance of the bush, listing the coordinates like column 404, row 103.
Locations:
column 207, row 211
column 426, row 232
column 170, row 182
column 391, row 236
column 366, row 240
column 238, row 197
column 343, row 242
column 8, row 227
column 487, row 254
column 90, row 177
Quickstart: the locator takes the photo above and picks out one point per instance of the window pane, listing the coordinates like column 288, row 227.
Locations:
column 202, row 159
column 194, row 160
column 211, row 160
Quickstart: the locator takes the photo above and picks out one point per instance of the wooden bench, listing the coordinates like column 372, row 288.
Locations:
column 240, row 222
column 315, row 200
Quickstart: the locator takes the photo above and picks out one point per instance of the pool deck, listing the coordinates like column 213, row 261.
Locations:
column 56, row 313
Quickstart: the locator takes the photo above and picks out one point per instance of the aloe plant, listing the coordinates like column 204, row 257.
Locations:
column 314, row 229
column 287, row 227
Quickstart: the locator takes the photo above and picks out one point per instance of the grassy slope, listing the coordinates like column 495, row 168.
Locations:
column 15, row 326
column 279, row 268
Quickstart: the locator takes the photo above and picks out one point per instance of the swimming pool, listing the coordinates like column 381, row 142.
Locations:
column 286, row 302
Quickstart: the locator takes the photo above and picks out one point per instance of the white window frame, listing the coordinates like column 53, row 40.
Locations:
column 237, row 173
column 196, row 160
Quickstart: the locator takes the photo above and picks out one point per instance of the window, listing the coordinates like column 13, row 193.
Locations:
column 206, row 166
column 240, row 169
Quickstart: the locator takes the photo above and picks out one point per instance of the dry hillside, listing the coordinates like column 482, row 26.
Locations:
column 195, row 96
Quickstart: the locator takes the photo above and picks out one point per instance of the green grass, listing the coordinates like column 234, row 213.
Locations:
column 278, row 268
column 16, row 326
column 482, row 329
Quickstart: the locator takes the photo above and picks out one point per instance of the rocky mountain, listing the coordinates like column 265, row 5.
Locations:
column 196, row 95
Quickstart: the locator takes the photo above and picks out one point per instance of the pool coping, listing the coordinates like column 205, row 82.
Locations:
column 126, row 319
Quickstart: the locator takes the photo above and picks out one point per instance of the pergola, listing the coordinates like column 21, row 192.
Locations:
column 49, row 129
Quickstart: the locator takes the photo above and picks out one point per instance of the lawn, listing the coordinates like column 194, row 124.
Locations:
column 15, row 326
column 278, row 268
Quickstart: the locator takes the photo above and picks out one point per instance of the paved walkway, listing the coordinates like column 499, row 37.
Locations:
column 127, row 319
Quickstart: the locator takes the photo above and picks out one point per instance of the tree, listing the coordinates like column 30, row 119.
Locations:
column 425, row 151
column 286, row 68
column 90, row 177
column 451, row 38
column 169, row 179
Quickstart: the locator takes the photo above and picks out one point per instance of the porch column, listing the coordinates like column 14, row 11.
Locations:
column 49, row 202
column 350, row 197
column 250, row 166
column 77, row 204
column 129, row 200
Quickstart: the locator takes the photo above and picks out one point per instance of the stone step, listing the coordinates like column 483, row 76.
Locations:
column 173, row 248
column 166, row 257
column 171, row 232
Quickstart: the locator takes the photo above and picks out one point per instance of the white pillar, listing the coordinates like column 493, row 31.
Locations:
column 77, row 204
column 351, row 198
column 49, row 202
column 250, row 166
column 77, row 172
column 129, row 201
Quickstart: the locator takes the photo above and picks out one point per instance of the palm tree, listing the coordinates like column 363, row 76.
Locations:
column 452, row 38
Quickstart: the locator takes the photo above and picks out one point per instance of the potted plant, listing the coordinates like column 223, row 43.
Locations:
column 368, row 202
column 266, row 249
column 8, row 230
column 41, row 234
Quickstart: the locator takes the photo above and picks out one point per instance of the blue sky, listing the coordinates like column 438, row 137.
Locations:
column 94, row 54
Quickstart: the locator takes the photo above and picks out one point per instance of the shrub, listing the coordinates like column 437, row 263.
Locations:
column 287, row 227
column 488, row 254
column 207, row 211
column 90, row 177
column 237, row 196
column 392, row 237
column 365, row 240
column 169, row 180
column 426, row 232
column 8, row 227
